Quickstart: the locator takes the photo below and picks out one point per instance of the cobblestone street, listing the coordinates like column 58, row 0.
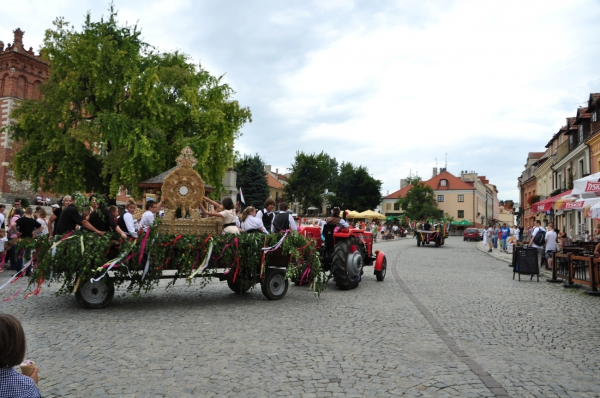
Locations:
column 446, row 321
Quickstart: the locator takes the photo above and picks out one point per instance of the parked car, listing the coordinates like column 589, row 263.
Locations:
column 471, row 234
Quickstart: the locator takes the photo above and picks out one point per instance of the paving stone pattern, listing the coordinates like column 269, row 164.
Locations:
column 531, row 339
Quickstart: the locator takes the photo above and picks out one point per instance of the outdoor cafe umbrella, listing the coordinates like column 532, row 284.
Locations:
column 371, row 214
column 353, row 214
column 588, row 187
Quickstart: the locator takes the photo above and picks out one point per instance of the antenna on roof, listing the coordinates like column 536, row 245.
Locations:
column 446, row 162
column 436, row 162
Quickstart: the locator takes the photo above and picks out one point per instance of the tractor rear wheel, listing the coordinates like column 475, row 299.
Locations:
column 346, row 266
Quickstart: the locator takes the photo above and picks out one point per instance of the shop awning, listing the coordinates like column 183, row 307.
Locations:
column 579, row 204
column 546, row 204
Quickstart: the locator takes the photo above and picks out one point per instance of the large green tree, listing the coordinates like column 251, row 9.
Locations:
column 252, row 178
column 355, row 189
column 310, row 176
column 115, row 112
column 420, row 202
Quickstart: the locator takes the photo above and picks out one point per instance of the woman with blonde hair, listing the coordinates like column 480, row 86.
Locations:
column 251, row 223
column 126, row 221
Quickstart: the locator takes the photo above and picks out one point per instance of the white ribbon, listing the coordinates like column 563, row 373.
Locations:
column 15, row 276
column 147, row 266
column 275, row 247
column 205, row 262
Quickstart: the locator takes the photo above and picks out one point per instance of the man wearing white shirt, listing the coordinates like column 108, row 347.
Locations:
column 284, row 220
column 149, row 215
column 126, row 221
column 540, row 249
column 551, row 239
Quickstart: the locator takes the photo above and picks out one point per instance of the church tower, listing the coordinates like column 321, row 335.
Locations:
column 21, row 73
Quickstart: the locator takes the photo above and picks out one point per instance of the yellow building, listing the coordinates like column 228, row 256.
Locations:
column 462, row 200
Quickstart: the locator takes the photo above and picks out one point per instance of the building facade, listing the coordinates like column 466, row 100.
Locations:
column 21, row 73
column 464, row 198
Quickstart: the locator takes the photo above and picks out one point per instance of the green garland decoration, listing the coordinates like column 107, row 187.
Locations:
column 81, row 256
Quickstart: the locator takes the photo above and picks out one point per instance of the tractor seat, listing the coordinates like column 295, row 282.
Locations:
column 328, row 234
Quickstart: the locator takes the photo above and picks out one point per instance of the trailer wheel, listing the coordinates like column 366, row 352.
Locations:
column 240, row 286
column 275, row 285
column 346, row 266
column 95, row 295
column 380, row 275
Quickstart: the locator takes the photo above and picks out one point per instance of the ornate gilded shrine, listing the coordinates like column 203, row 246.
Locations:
column 183, row 189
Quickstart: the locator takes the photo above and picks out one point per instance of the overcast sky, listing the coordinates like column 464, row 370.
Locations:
column 391, row 85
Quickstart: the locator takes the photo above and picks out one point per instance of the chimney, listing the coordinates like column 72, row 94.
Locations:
column 268, row 168
column 277, row 171
column 403, row 183
column 434, row 171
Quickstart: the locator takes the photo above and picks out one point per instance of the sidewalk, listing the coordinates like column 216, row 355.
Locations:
column 506, row 257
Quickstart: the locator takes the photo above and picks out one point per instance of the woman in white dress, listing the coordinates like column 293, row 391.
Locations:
column 251, row 223
column 227, row 213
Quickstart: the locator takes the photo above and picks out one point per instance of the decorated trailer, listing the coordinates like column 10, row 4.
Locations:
column 190, row 248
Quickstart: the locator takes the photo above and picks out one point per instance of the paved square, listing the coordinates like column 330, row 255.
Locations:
column 468, row 330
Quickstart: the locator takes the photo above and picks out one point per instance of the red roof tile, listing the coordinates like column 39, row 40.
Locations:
column 452, row 183
column 273, row 183
column 535, row 155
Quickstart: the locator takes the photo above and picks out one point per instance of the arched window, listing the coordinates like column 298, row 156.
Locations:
column 3, row 84
column 21, row 87
column 35, row 90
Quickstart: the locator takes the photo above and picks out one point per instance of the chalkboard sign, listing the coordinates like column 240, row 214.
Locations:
column 526, row 262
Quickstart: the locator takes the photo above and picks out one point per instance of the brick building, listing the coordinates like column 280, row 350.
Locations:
column 21, row 73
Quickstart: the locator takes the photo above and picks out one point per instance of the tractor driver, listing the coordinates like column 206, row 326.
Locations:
column 335, row 219
column 427, row 226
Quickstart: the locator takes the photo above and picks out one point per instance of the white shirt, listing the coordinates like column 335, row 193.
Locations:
column 251, row 223
column 2, row 243
column 293, row 226
column 551, row 240
column 130, row 223
column 147, row 220
column 2, row 218
column 533, row 234
column 44, row 224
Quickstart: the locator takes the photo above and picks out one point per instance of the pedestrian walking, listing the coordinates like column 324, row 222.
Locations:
column 495, row 233
column 489, row 233
column 551, row 239
column 520, row 232
column 539, row 246
column 505, row 232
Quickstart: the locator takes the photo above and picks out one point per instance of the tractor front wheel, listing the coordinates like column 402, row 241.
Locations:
column 380, row 275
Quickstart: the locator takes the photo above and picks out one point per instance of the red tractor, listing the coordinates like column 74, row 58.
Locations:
column 344, row 254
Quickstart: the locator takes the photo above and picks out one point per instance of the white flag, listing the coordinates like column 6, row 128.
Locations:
column 242, row 197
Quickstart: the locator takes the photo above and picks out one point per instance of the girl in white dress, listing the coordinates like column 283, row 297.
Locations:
column 251, row 223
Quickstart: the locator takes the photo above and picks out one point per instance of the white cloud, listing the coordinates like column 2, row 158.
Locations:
column 387, row 85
